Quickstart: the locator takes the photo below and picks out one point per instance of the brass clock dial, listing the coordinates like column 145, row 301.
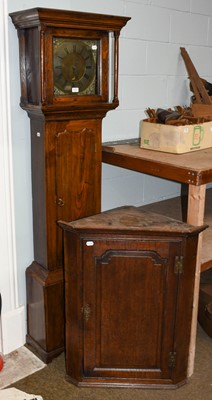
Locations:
column 75, row 66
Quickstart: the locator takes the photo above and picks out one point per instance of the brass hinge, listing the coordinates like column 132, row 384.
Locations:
column 178, row 264
column 86, row 310
column 172, row 359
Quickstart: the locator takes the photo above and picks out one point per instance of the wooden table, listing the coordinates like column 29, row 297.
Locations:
column 193, row 169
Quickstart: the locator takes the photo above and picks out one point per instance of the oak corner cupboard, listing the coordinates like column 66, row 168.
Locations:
column 129, row 285
column 69, row 81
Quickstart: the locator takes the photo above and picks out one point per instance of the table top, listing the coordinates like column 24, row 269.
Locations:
column 194, row 168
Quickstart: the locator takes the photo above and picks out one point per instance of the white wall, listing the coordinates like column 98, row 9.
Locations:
column 13, row 313
column 152, row 74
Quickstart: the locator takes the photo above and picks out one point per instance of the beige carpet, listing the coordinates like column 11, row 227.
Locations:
column 17, row 365
column 51, row 383
column 15, row 394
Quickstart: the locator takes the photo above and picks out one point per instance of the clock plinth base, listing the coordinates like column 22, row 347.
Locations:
column 45, row 311
column 45, row 356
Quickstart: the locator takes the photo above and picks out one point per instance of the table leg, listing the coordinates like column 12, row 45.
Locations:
column 195, row 216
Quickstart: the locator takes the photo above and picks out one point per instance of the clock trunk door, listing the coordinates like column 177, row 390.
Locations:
column 130, row 297
column 78, row 172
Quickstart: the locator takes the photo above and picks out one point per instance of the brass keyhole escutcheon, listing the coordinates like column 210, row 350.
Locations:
column 60, row 202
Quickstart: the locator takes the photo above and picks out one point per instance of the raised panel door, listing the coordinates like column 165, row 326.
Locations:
column 78, row 172
column 129, row 297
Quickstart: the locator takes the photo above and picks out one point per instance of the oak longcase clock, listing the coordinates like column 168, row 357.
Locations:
column 69, row 81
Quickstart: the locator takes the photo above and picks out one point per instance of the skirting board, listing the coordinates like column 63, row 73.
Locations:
column 13, row 328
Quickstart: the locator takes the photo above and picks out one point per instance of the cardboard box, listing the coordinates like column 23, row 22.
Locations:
column 175, row 139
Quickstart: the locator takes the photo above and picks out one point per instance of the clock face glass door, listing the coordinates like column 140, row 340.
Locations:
column 75, row 66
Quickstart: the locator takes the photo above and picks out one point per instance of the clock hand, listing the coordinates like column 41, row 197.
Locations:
column 75, row 73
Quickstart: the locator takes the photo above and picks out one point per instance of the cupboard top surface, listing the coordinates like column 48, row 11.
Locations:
column 128, row 219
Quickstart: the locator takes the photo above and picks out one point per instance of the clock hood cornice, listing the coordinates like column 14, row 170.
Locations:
column 67, row 19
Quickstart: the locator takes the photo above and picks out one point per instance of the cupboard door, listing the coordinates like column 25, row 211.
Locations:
column 129, row 305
